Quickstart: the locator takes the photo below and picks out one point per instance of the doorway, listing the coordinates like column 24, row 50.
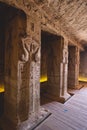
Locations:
column 50, row 67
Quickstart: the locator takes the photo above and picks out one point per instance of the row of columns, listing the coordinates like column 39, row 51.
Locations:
column 62, row 71
column 57, row 69
column 22, row 74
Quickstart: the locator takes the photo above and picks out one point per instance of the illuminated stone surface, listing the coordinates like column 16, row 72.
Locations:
column 21, row 23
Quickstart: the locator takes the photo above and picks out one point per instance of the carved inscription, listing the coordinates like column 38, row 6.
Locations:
column 28, row 72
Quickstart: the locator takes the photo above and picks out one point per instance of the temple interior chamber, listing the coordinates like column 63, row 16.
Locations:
column 43, row 65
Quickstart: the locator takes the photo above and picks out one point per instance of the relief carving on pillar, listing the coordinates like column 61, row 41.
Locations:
column 65, row 55
column 34, row 77
column 30, row 48
column 23, row 77
column 26, row 44
column 27, row 70
column 24, row 61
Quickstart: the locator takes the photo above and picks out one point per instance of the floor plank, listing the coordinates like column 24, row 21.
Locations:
column 71, row 115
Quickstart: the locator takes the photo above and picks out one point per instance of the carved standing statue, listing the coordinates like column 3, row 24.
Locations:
column 27, row 60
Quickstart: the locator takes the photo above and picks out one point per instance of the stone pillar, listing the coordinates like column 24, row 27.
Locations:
column 31, row 58
column 31, row 46
column 57, row 69
column 64, row 70
column 33, row 28
column 73, row 67
column 22, row 73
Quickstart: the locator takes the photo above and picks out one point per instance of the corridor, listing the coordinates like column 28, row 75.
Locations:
column 43, row 56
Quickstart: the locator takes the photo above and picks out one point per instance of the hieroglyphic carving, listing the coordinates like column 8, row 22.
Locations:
column 26, row 65
column 34, row 76
column 25, row 58
column 23, row 71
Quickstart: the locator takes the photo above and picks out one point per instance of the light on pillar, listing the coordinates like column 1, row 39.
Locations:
column 82, row 79
column 43, row 79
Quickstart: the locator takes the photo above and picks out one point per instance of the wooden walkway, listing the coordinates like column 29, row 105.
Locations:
column 69, row 116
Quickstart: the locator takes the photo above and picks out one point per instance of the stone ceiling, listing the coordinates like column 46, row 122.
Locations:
column 69, row 17
column 62, row 17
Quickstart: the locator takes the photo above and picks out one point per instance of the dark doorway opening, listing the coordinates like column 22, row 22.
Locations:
column 49, row 50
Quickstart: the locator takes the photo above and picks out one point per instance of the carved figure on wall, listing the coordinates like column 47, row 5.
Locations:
column 26, row 43
column 65, row 55
column 35, row 49
column 27, row 64
column 30, row 48
column 23, row 71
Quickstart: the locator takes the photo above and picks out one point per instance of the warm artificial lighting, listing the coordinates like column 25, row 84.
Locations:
column 43, row 79
column 84, row 79
column 2, row 88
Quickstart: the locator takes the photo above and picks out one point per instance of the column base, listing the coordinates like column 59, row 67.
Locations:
column 78, row 86
column 66, row 96
column 33, row 121
column 58, row 98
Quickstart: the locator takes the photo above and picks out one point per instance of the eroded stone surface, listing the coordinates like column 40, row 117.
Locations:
column 73, row 67
column 22, row 34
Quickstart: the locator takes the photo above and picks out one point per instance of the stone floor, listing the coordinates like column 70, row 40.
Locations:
column 72, row 115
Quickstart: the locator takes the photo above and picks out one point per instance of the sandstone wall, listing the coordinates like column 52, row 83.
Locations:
column 73, row 66
column 14, row 30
